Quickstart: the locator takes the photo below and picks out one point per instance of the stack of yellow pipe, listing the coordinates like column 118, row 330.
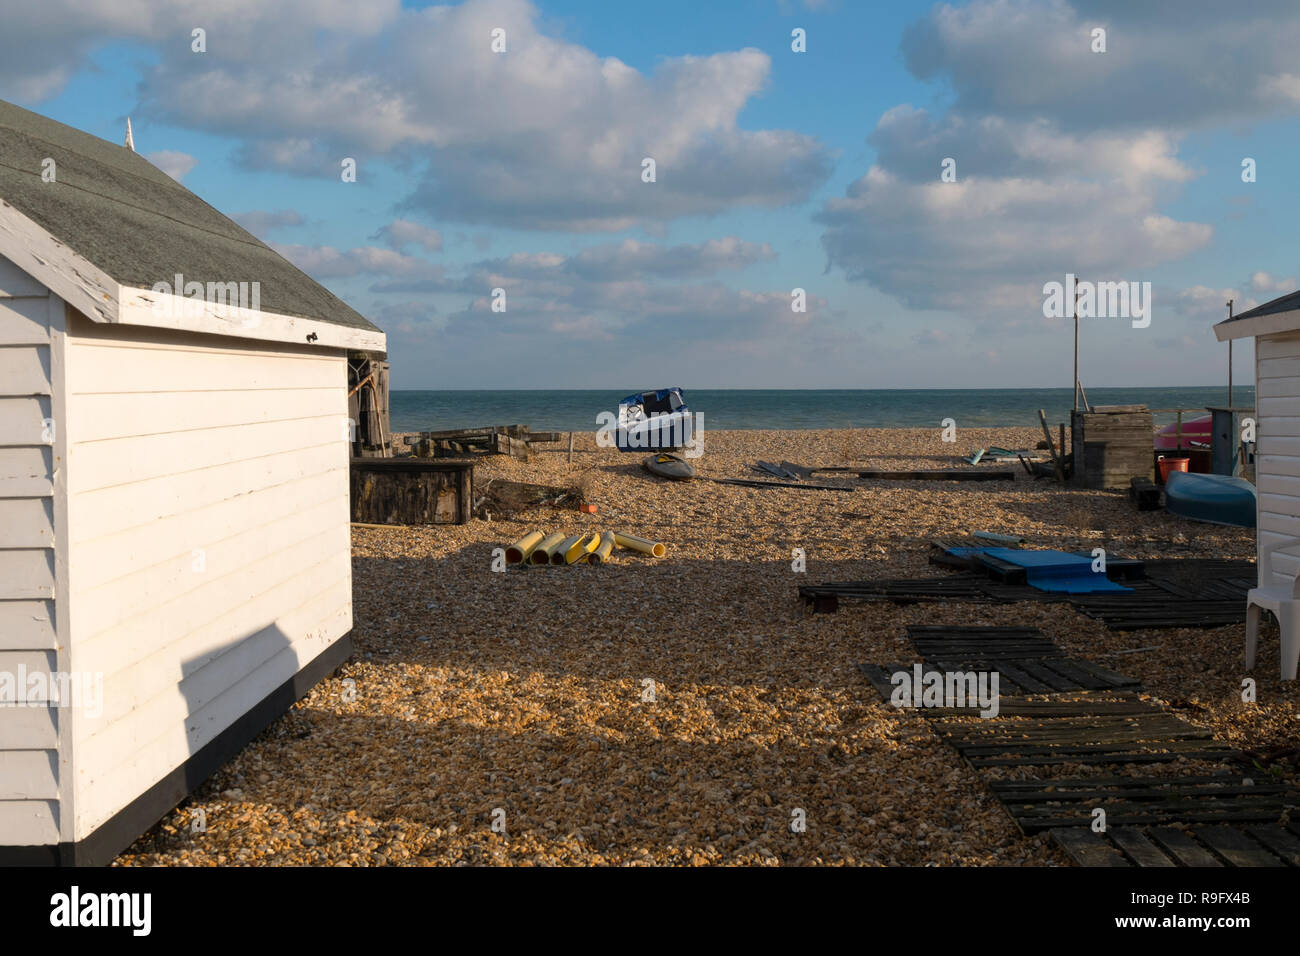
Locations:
column 590, row 548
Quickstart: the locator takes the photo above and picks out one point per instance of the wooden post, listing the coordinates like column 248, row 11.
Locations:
column 1076, row 351
column 1047, row 433
column 1061, row 433
column 570, row 447
column 1229, row 357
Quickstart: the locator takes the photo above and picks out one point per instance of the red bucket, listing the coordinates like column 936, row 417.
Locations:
column 1171, row 464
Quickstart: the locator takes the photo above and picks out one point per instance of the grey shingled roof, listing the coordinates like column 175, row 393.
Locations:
column 140, row 226
column 1285, row 303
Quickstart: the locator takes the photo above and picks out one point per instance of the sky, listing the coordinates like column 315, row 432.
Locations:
column 505, row 231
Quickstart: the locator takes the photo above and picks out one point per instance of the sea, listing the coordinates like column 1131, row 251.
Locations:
column 732, row 408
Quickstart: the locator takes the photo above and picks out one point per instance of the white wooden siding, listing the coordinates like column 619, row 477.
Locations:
column 28, row 775
column 27, row 625
column 29, row 737
column 210, row 551
column 29, row 822
column 30, row 728
column 1277, row 390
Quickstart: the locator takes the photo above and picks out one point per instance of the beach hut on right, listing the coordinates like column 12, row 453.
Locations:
column 1275, row 327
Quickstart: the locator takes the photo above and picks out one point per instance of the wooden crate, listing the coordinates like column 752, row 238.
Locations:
column 1112, row 445
column 401, row 491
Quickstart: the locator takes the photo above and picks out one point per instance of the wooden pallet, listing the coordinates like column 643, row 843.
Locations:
column 1058, row 704
column 931, row 640
column 1144, row 613
column 1038, row 805
column 1099, row 739
column 1040, row 675
column 1267, row 845
column 1026, row 661
column 1203, row 601
column 825, row 598
column 1104, row 726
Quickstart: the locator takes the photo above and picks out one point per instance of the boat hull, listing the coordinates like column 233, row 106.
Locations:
column 1195, row 430
column 668, row 466
column 1218, row 499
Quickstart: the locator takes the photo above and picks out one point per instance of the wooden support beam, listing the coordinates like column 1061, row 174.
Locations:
column 1051, row 446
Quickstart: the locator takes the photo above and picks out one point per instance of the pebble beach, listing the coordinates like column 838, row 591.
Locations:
column 684, row 710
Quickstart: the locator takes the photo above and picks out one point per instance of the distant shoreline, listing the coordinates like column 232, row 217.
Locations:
column 784, row 388
column 790, row 409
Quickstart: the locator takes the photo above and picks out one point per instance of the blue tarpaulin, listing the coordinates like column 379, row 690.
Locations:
column 1057, row 570
column 1051, row 570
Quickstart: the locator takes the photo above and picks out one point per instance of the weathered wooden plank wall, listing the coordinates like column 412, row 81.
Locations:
column 1112, row 445
column 411, row 491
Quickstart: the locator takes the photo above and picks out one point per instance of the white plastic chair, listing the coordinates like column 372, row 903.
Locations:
column 1284, row 601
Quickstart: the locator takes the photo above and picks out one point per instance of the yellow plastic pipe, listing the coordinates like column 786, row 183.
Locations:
column 601, row 554
column 518, row 552
column 644, row 545
column 542, row 553
column 582, row 548
column 561, row 554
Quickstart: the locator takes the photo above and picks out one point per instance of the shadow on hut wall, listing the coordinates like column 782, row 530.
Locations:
column 231, row 696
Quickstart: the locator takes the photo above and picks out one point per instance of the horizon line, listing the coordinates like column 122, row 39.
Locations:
column 806, row 388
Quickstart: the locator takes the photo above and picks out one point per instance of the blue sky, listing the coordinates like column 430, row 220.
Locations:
column 776, row 170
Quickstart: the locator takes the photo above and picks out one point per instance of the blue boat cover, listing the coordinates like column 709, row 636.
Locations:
column 664, row 401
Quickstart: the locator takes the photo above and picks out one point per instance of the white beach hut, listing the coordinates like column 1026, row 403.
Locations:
column 174, row 546
column 1275, row 326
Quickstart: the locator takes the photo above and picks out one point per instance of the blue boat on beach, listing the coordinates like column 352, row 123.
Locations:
column 654, row 421
column 1219, row 499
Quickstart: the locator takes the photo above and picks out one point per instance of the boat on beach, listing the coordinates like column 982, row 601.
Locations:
column 1194, row 432
column 654, row 421
column 668, row 466
column 1219, row 499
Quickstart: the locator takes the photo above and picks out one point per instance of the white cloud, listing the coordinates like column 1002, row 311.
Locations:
column 1065, row 158
column 549, row 135
column 1264, row 282
column 1168, row 63
column 401, row 233
column 327, row 262
column 1030, row 204
column 172, row 162
column 632, row 258
column 635, row 292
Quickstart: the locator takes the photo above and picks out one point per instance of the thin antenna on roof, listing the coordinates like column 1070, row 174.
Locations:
column 130, row 140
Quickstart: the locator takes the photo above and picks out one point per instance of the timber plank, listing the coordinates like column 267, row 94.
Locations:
column 1183, row 848
column 1087, row 848
column 1235, row 847
column 1139, row 849
column 1279, row 840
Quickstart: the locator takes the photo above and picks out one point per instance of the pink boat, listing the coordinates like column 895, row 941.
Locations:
column 1196, row 434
